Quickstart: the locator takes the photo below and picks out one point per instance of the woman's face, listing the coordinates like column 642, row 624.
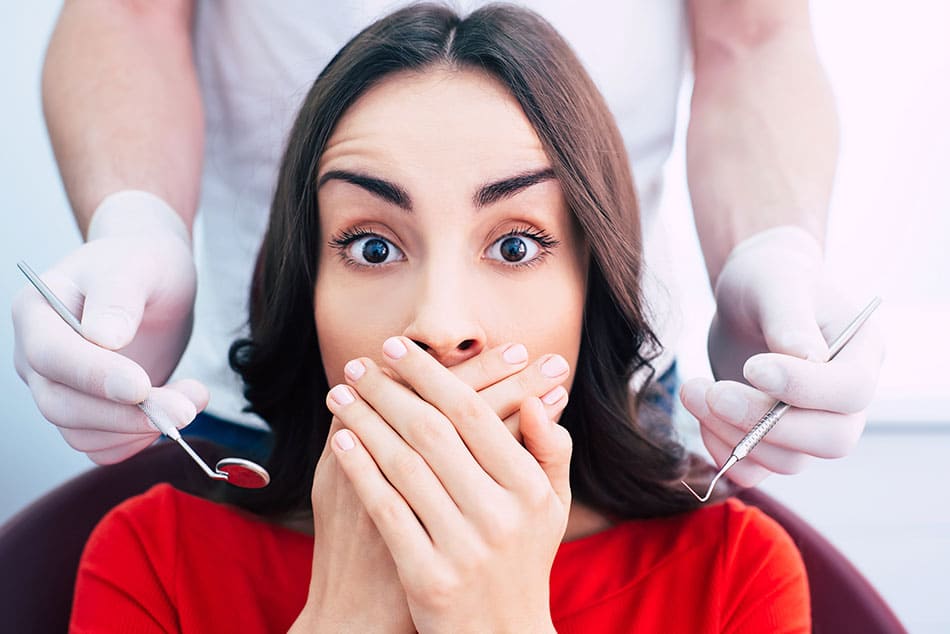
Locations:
column 440, row 220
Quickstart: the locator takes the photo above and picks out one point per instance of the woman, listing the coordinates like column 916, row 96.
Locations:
column 454, row 233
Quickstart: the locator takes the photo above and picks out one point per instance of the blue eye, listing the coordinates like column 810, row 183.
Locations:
column 514, row 249
column 375, row 250
column 366, row 249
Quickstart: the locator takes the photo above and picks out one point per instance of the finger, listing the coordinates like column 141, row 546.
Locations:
column 419, row 425
column 67, row 408
column 815, row 432
column 491, row 366
column 394, row 519
column 120, row 453
column 787, row 317
column 541, row 378
column 403, row 467
column 173, row 405
column 113, row 306
column 745, row 474
column 554, row 403
column 193, row 390
column 845, row 384
column 550, row 444
column 93, row 441
column 775, row 459
column 478, row 426
column 52, row 349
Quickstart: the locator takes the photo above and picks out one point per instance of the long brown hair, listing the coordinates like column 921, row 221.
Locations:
column 620, row 467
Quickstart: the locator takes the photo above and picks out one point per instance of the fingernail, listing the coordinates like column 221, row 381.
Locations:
column 394, row 348
column 554, row 395
column 730, row 405
column 344, row 440
column 341, row 395
column 766, row 376
column 354, row 369
column 515, row 353
column 554, row 367
column 119, row 388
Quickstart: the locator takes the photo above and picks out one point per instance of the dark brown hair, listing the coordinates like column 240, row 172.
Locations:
column 620, row 467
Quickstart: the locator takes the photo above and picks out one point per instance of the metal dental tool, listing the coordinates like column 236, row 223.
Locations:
column 235, row 471
column 771, row 417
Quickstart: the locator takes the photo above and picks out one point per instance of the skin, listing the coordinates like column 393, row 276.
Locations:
column 491, row 510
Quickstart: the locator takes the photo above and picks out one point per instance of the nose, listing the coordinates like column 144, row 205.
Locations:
column 445, row 324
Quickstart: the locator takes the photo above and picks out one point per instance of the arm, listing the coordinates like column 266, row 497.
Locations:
column 122, row 105
column 761, row 152
column 124, row 115
column 763, row 135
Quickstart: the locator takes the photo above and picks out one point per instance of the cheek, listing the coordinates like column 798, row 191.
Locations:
column 545, row 315
column 349, row 324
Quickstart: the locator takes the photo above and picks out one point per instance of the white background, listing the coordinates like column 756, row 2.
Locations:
column 888, row 505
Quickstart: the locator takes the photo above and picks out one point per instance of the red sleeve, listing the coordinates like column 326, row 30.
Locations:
column 766, row 583
column 125, row 574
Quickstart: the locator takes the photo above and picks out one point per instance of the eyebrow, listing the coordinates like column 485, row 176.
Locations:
column 396, row 195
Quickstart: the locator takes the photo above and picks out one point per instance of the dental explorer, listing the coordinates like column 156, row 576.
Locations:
column 235, row 471
column 771, row 417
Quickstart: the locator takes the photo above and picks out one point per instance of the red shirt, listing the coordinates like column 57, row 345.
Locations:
column 168, row 561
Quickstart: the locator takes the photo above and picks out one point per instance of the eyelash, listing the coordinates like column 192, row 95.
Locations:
column 546, row 243
column 545, row 240
column 341, row 243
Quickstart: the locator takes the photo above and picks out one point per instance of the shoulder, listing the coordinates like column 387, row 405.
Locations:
column 743, row 537
column 732, row 564
column 165, row 518
column 750, row 535
column 153, row 557
column 735, row 520
column 761, row 571
column 162, row 506
column 146, row 526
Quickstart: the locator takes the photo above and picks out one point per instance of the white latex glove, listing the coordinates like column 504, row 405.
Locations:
column 133, row 283
column 776, row 307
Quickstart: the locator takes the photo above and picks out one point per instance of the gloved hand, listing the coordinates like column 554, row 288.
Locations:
column 133, row 283
column 776, row 307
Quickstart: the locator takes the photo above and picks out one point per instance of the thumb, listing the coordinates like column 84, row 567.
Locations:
column 113, row 310
column 550, row 444
column 789, row 325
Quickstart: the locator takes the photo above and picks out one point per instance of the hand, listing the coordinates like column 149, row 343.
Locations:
column 133, row 283
column 776, row 307
column 471, row 518
column 355, row 586
column 353, row 581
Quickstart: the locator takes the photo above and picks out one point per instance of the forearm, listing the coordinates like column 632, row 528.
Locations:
column 762, row 143
column 122, row 105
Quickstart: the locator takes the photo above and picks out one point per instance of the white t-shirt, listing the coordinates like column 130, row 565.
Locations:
column 257, row 60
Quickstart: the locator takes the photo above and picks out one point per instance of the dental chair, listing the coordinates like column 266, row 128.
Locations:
column 40, row 547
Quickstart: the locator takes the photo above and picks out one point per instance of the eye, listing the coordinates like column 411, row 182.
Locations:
column 521, row 247
column 513, row 249
column 366, row 249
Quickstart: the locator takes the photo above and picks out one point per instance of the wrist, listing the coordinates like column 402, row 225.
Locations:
column 791, row 241
column 133, row 211
column 786, row 237
column 315, row 619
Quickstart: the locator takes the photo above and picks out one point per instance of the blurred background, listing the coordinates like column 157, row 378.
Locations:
column 886, row 506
